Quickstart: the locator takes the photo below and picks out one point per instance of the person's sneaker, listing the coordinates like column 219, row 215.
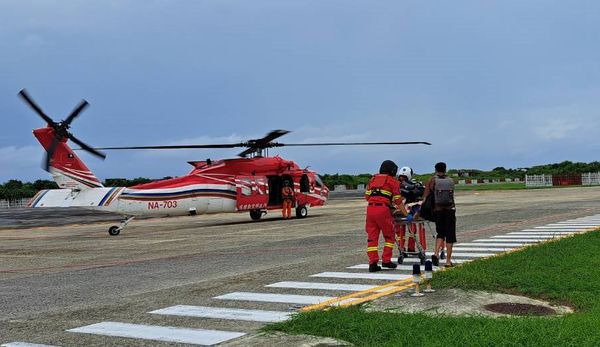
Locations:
column 374, row 267
column 434, row 260
column 390, row 265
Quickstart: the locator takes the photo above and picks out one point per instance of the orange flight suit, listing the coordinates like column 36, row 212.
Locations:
column 287, row 194
column 382, row 191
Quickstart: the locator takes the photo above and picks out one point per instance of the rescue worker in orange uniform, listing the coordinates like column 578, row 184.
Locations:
column 383, row 191
column 287, row 195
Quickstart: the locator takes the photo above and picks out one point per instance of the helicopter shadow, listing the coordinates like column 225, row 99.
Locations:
column 265, row 221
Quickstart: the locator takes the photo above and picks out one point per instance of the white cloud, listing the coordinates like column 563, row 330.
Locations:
column 557, row 129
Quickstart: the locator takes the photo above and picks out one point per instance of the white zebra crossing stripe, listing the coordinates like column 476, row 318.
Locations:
column 24, row 344
column 158, row 333
column 563, row 224
column 481, row 249
column 324, row 286
column 224, row 313
column 532, row 237
column 471, row 255
column 279, row 298
column 537, row 232
column 522, row 240
column 561, row 227
column 362, row 275
column 492, row 244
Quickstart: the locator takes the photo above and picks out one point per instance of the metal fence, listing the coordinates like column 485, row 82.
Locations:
column 14, row 203
column 590, row 179
column 585, row 179
column 538, row 181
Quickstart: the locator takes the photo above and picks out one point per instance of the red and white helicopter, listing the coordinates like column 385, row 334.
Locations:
column 251, row 183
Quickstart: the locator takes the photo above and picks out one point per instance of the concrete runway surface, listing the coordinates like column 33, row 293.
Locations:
column 61, row 270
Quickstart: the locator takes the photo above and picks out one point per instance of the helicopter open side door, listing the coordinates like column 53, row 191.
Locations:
column 252, row 193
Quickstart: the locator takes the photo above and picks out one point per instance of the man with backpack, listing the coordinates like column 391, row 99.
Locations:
column 441, row 188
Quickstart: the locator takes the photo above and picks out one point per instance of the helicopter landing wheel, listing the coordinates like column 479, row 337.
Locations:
column 114, row 230
column 256, row 214
column 301, row 212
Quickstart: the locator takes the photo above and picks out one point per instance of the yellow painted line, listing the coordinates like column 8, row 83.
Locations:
column 378, row 295
column 335, row 301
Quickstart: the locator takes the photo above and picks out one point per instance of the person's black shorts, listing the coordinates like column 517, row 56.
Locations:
column 445, row 225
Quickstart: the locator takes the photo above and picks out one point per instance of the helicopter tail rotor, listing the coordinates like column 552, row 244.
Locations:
column 60, row 129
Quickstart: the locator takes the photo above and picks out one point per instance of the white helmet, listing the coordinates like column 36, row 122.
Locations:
column 405, row 171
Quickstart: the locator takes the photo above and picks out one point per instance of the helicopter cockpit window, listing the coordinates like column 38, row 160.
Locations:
column 246, row 186
column 318, row 181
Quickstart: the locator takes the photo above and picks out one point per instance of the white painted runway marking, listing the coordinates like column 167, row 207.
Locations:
column 24, row 344
column 564, row 224
column 560, row 230
column 399, row 268
column 492, row 244
column 532, row 237
column 224, row 313
column 471, row 255
column 323, row 286
column 538, row 232
column 523, row 240
column 561, row 227
column 280, row 298
column 369, row 276
column 159, row 333
column 482, row 249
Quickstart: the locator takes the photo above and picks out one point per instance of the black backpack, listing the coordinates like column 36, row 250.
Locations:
column 443, row 191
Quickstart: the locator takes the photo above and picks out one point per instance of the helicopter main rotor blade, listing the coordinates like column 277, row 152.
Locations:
column 275, row 144
column 256, row 145
column 82, row 105
column 25, row 96
column 268, row 138
column 224, row 145
column 87, row 148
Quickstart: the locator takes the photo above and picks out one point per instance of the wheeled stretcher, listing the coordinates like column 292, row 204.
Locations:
column 410, row 238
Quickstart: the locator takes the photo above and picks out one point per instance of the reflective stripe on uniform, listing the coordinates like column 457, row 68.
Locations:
column 368, row 192
column 397, row 197
column 372, row 249
column 389, row 244
column 384, row 192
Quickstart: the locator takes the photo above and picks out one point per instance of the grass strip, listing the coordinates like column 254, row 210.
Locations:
column 491, row 186
column 565, row 271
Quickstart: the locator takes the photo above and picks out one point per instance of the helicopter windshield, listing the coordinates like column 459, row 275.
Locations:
column 319, row 181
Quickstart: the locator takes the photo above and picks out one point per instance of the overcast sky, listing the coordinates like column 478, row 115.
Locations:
column 489, row 83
